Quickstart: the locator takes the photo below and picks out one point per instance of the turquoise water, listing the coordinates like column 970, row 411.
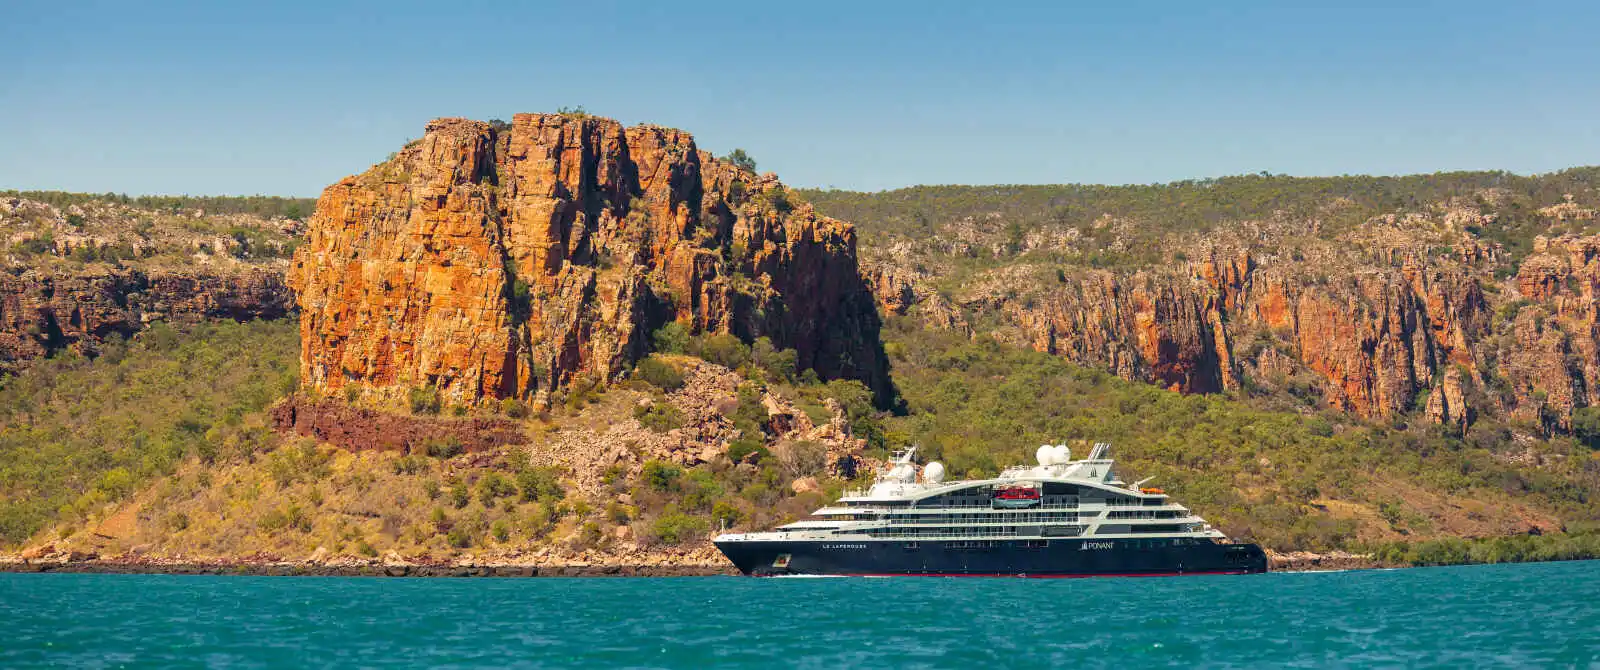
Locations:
column 1506, row 615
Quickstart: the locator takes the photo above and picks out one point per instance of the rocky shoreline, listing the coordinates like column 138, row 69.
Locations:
column 134, row 566
column 349, row 567
column 1305, row 561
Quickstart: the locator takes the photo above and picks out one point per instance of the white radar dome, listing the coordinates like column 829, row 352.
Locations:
column 1043, row 454
column 933, row 473
column 1062, row 454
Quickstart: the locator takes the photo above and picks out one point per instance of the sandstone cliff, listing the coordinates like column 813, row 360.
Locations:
column 506, row 260
column 43, row 312
column 1413, row 312
column 73, row 275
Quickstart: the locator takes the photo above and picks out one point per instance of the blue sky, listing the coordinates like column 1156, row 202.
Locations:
column 239, row 98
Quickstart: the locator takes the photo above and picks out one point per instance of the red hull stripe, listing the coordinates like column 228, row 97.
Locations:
column 1048, row 576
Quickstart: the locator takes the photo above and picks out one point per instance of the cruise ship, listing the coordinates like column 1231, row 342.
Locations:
column 1059, row 518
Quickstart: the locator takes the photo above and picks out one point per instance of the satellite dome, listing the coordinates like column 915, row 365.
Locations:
column 933, row 473
column 1061, row 454
column 1043, row 454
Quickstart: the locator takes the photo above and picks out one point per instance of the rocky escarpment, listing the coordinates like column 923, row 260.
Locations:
column 1401, row 314
column 44, row 311
column 506, row 260
column 88, row 267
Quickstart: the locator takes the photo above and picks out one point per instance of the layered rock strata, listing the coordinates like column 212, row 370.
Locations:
column 44, row 311
column 1420, row 329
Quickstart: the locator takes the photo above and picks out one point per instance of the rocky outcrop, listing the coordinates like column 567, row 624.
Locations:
column 705, row 402
column 334, row 422
column 44, row 311
column 1392, row 327
column 505, row 261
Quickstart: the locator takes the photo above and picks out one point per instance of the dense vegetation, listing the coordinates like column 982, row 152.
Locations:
column 258, row 205
column 184, row 408
column 76, row 434
column 1289, row 479
column 1504, row 549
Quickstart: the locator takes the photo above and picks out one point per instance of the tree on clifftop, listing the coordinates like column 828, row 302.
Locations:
column 741, row 160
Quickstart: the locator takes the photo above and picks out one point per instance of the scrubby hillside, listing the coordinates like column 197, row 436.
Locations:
column 635, row 473
column 643, row 471
column 77, row 436
column 1288, row 479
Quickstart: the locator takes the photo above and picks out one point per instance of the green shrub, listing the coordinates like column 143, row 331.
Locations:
column 617, row 513
column 409, row 465
column 725, row 350
column 540, row 484
column 442, row 447
column 741, row 448
column 698, row 489
column 779, row 365
column 459, row 537
column 514, row 408
column 588, row 536
column 439, row 519
column 660, row 417
column 493, row 486
column 673, row 338
column 750, row 415
column 302, row 460
column 543, row 517
column 658, row 373
column 726, row 514
column 500, row 530
column 676, row 527
column 660, row 476
column 290, row 517
column 1586, row 426
column 425, row 400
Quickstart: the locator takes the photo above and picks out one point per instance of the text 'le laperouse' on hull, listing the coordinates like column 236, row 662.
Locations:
column 1061, row 518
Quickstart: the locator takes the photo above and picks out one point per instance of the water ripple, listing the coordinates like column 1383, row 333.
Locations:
column 1484, row 616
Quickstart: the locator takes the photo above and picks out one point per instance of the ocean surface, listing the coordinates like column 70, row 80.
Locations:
column 1541, row 615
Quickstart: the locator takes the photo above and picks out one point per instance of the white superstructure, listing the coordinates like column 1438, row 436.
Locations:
column 1056, row 498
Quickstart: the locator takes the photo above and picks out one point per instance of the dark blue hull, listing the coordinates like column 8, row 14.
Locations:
column 1019, row 558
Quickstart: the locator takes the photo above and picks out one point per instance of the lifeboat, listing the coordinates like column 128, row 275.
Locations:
column 1152, row 491
column 1016, row 496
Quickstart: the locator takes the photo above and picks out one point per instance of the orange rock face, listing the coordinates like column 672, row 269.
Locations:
column 1386, row 338
column 496, row 262
column 1376, row 340
column 42, row 312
